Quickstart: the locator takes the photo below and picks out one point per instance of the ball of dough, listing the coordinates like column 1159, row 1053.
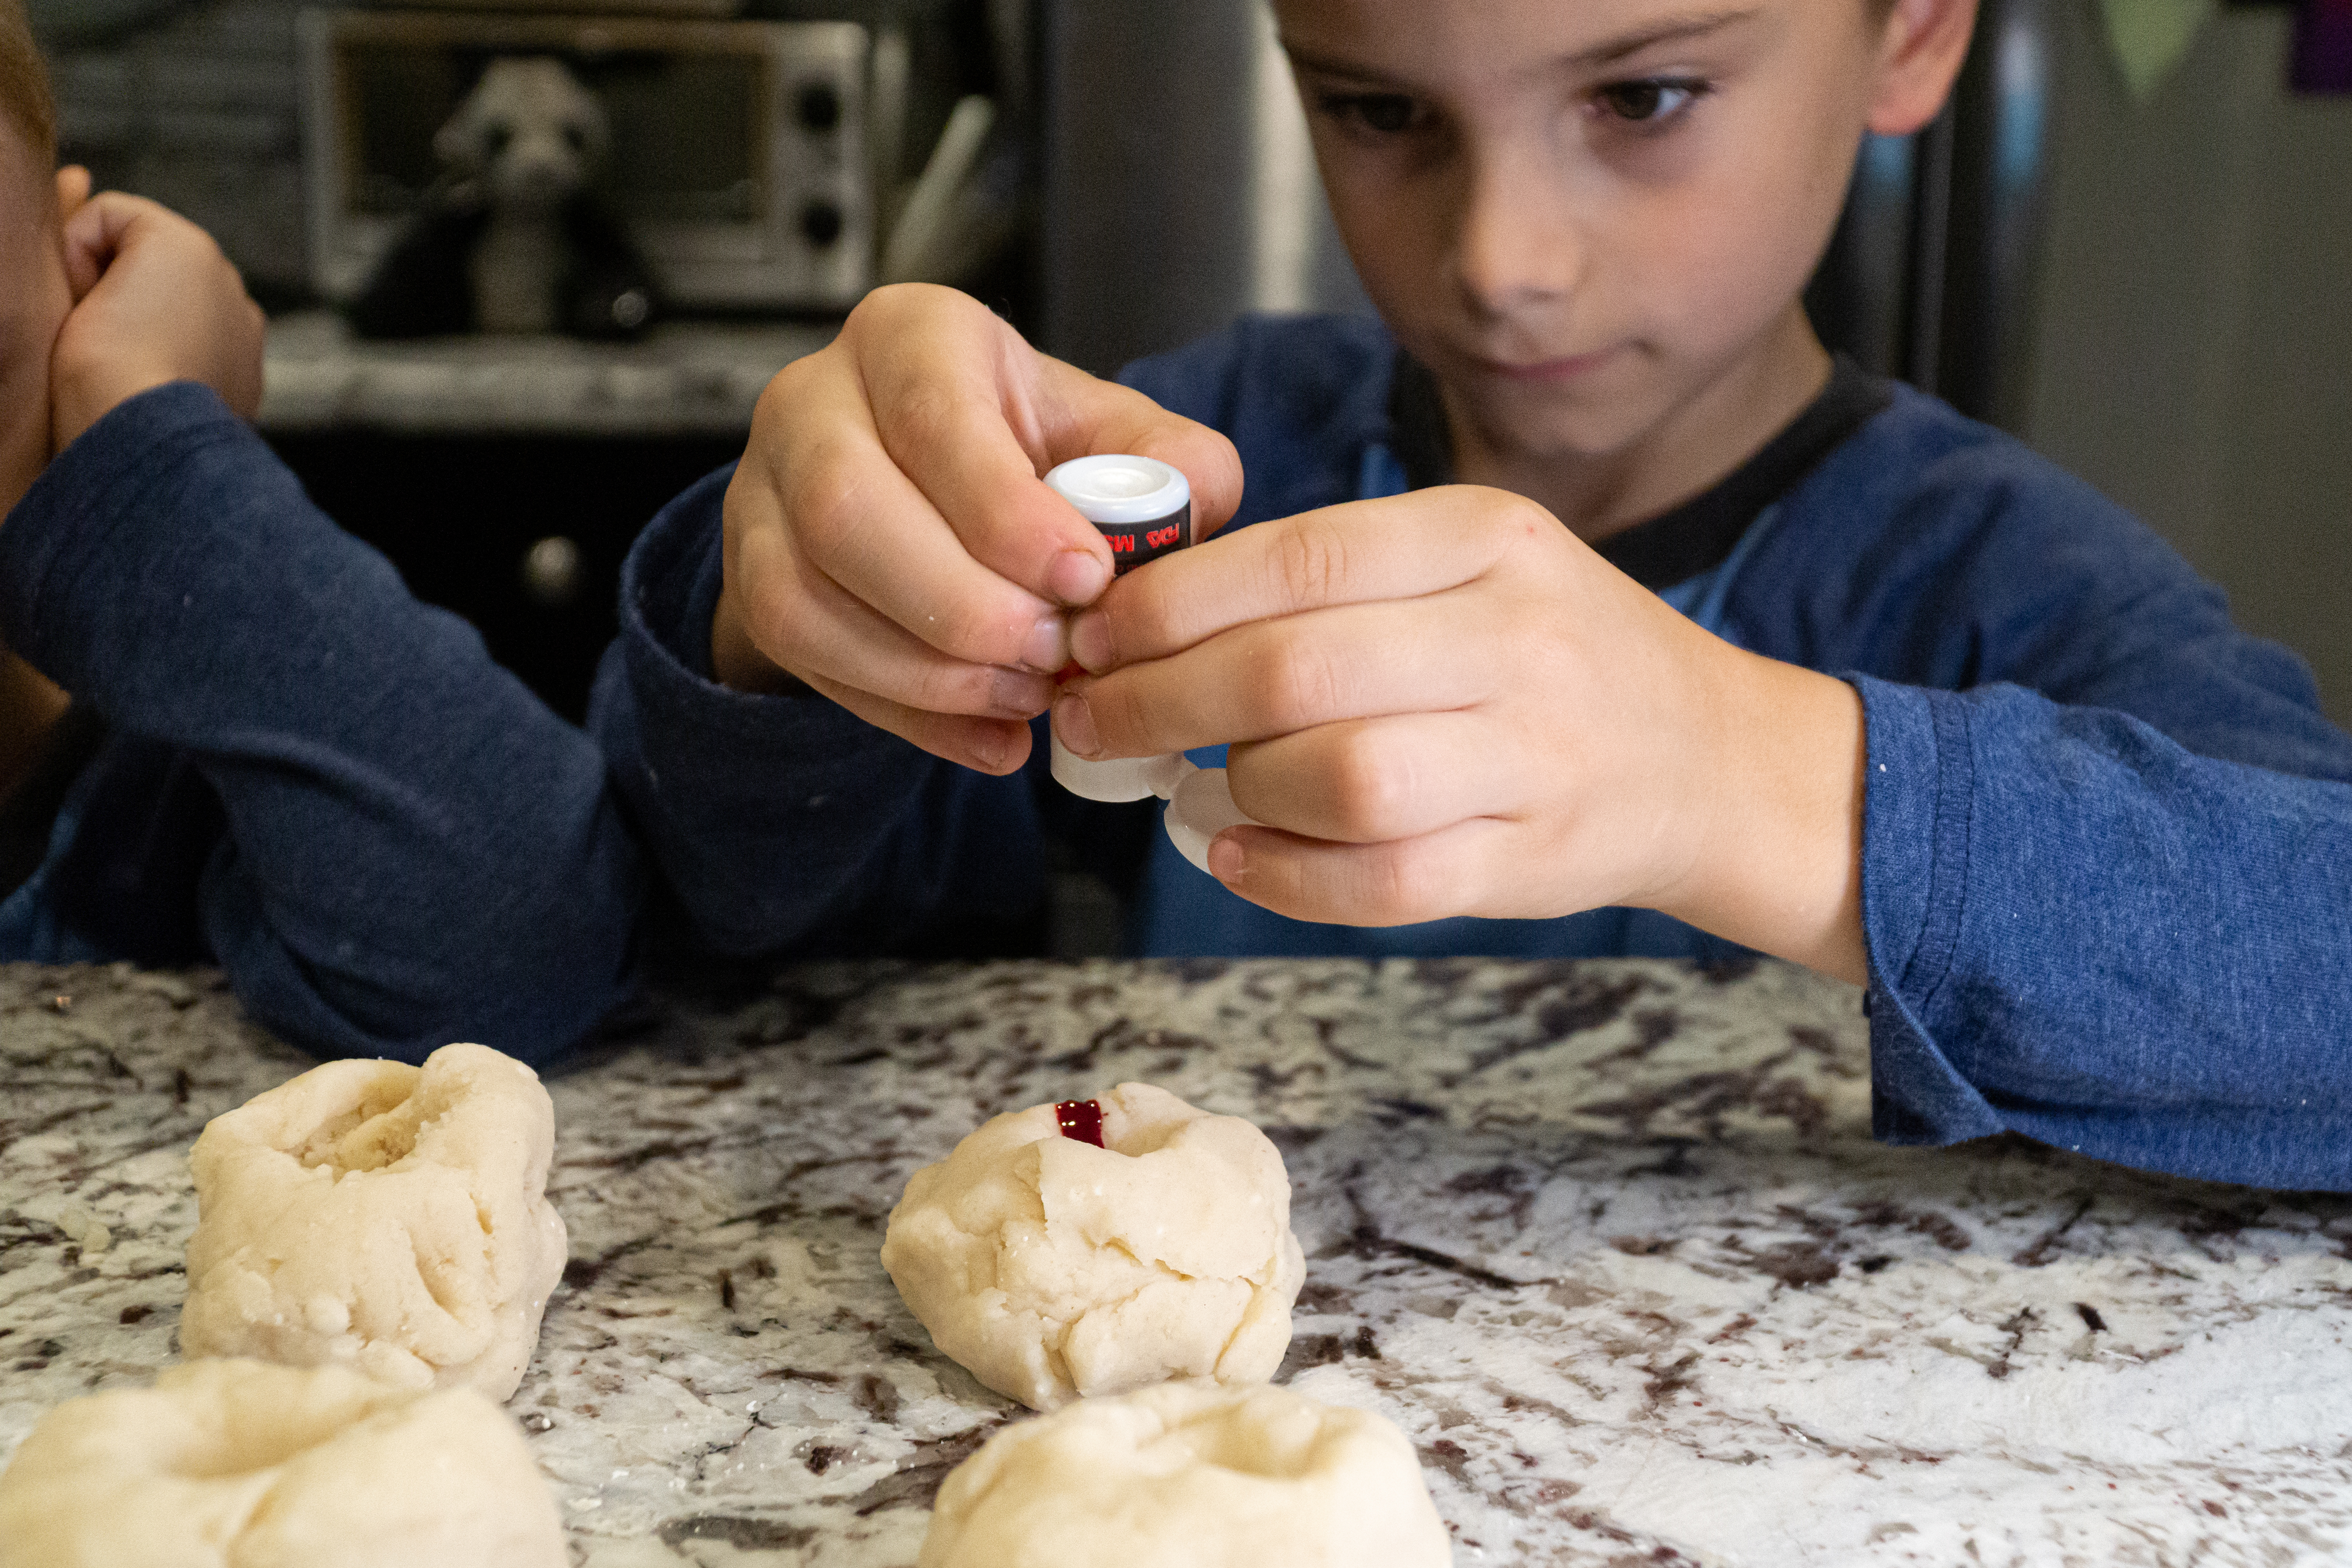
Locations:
column 1190, row 1475
column 382, row 1215
column 1052, row 1268
column 240, row 1464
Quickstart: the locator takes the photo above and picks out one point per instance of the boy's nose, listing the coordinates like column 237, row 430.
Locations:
column 1516, row 243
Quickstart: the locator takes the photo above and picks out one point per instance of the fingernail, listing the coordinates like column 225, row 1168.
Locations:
column 1048, row 648
column 1074, row 723
column 1090, row 640
column 1225, row 858
column 1076, row 577
column 1019, row 693
column 989, row 749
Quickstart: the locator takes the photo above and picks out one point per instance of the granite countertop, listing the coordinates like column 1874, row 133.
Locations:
column 682, row 378
column 1608, row 1240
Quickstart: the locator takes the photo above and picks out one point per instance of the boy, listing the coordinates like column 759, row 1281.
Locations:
column 271, row 758
column 2023, row 818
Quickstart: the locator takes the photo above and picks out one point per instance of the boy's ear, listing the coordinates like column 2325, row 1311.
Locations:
column 1919, row 55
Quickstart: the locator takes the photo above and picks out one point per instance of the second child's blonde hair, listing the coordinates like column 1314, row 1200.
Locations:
column 25, row 84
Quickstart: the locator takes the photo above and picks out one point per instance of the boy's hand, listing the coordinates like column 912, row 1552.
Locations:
column 155, row 301
column 890, row 541
column 1445, row 704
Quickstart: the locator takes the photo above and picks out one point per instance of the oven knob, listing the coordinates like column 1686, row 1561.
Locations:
column 551, row 571
column 819, row 107
column 820, row 223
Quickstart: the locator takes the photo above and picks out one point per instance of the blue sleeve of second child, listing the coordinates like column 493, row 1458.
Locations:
column 415, row 851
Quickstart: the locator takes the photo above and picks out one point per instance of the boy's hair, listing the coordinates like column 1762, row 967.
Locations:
column 25, row 84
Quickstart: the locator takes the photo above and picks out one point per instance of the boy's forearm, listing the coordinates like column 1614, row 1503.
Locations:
column 2086, row 934
column 783, row 822
column 169, row 572
column 1777, row 863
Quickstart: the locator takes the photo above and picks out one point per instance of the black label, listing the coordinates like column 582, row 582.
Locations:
column 1133, row 543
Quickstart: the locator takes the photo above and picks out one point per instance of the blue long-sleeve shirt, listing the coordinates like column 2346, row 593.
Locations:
column 303, row 774
column 2107, row 849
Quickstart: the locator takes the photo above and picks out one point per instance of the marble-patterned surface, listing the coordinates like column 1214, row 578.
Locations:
column 1609, row 1240
column 683, row 378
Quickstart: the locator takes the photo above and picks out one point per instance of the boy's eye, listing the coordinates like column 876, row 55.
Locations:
column 1650, row 101
column 1386, row 113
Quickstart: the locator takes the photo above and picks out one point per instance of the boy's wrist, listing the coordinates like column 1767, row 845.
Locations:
column 82, row 400
column 1778, row 822
column 736, row 661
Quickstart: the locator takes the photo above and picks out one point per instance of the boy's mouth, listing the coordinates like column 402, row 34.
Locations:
column 1547, row 372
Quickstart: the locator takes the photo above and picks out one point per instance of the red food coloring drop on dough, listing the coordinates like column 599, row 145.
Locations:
column 1081, row 1120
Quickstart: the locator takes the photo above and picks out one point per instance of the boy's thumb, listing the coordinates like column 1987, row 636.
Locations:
column 73, row 190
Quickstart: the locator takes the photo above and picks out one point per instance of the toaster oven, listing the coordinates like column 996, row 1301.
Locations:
column 738, row 155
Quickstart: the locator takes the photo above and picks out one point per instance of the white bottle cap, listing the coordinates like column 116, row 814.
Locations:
column 1201, row 809
column 1116, row 488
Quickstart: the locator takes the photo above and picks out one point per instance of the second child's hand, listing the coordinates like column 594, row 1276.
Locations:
column 1444, row 703
column 155, row 301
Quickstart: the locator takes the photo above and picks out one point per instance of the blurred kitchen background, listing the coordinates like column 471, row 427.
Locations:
column 2130, row 242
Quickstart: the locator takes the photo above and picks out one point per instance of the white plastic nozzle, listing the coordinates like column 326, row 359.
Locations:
column 1120, row 778
column 1201, row 808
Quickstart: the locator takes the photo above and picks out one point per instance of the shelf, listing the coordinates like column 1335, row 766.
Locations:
column 685, row 378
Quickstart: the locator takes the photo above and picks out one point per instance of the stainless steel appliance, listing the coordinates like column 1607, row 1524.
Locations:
column 1179, row 189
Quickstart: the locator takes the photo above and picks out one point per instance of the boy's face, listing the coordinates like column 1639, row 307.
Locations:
column 34, row 301
column 1583, row 213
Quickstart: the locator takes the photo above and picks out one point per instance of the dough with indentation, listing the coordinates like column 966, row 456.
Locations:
column 241, row 1464
column 1190, row 1475
column 383, row 1216
column 1051, row 1268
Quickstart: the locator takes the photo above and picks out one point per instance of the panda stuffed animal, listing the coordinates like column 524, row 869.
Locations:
column 510, row 239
